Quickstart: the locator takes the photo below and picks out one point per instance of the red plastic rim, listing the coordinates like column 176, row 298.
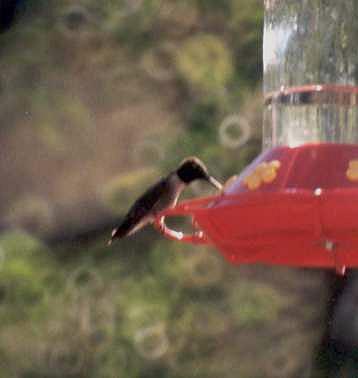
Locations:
column 338, row 94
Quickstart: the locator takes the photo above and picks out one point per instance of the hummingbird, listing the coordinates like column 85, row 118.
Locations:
column 162, row 195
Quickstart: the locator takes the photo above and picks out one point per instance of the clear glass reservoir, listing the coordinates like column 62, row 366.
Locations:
column 310, row 72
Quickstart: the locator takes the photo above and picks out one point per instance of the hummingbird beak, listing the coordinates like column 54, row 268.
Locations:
column 215, row 183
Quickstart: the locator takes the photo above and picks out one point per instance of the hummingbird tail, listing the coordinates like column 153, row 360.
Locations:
column 119, row 233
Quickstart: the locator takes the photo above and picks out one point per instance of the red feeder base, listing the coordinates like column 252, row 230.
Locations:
column 291, row 206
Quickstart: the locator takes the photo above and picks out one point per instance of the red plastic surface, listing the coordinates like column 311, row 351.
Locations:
column 308, row 216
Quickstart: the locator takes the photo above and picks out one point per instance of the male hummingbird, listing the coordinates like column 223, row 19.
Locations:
column 162, row 195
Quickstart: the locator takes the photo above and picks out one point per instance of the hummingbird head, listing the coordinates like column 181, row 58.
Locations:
column 192, row 169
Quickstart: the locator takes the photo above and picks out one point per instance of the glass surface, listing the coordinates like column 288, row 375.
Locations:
column 308, row 43
column 290, row 123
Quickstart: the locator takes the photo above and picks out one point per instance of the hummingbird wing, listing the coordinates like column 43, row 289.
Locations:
column 143, row 210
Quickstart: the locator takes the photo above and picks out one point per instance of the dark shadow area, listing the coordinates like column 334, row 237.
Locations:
column 9, row 10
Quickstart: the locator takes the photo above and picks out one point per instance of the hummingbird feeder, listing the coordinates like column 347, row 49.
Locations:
column 296, row 204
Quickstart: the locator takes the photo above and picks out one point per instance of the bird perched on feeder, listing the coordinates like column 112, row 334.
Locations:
column 162, row 195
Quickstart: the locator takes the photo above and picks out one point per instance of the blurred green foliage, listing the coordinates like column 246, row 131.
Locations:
column 25, row 268
column 143, row 308
column 205, row 64
column 33, row 213
column 156, row 312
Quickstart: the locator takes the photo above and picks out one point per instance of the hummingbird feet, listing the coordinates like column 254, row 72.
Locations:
column 160, row 225
column 163, row 229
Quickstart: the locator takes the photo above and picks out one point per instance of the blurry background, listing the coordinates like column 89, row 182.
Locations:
column 97, row 100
